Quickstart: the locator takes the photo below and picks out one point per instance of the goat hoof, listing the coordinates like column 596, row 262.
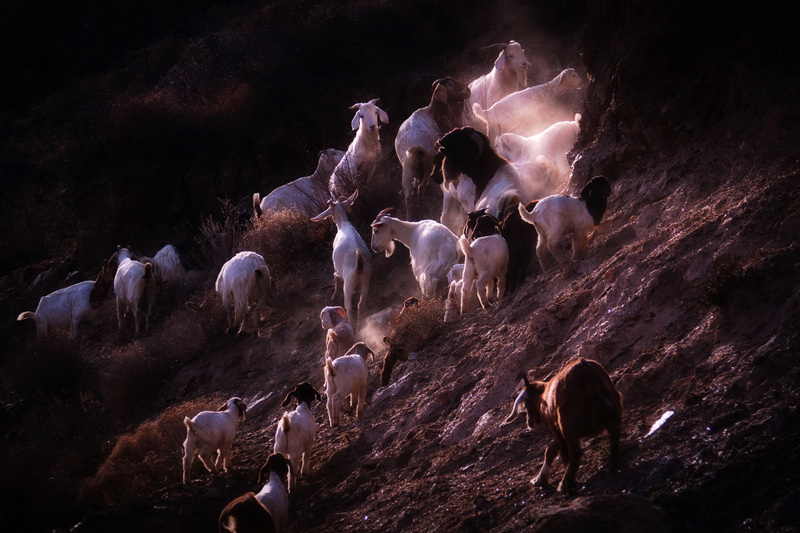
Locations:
column 539, row 482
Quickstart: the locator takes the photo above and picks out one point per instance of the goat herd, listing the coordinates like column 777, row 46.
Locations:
column 498, row 151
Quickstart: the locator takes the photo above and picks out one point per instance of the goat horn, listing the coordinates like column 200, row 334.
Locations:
column 495, row 45
column 384, row 213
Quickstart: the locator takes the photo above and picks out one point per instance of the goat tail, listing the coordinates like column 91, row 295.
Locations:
column 285, row 424
column 148, row 270
column 465, row 248
column 525, row 214
column 257, row 204
column 359, row 261
column 26, row 315
column 329, row 366
column 190, row 424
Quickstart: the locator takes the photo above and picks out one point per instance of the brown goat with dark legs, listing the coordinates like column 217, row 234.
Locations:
column 521, row 238
column 579, row 402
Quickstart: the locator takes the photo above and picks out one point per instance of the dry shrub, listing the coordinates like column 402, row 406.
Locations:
column 219, row 240
column 418, row 323
column 53, row 365
column 137, row 371
column 145, row 460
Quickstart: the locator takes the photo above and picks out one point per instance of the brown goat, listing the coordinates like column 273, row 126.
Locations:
column 579, row 402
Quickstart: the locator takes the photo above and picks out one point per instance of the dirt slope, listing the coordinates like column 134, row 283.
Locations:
column 689, row 297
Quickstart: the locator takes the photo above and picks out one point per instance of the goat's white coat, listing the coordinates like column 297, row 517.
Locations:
column 532, row 110
column 352, row 261
column 243, row 279
column 346, row 376
column 340, row 336
column 432, row 246
column 358, row 163
column 134, row 290
column 274, row 496
column 293, row 439
column 209, row 432
column 307, row 194
column 167, row 265
column 486, row 260
column 508, row 75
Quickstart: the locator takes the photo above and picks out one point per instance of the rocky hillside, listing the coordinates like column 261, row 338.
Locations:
column 689, row 296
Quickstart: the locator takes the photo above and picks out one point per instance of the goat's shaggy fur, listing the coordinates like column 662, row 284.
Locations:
column 209, row 432
column 559, row 215
column 296, row 430
column 579, row 402
column 242, row 280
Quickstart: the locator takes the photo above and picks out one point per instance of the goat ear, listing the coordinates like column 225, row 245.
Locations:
column 382, row 115
column 480, row 145
column 348, row 202
column 287, row 400
column 500, row 62
column 342, row 313
column 356, row 118
column 440, row 93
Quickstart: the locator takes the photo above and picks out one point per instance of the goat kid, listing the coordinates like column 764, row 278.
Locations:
column 485, row 261
column 579, row 402
column 267, row 511
column 296, row 430
column 209, row 432
column 347, row 376
column 339, row 337
column 135, row 289
column 559, row 215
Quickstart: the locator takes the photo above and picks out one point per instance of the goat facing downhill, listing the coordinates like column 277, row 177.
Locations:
column 579, row 402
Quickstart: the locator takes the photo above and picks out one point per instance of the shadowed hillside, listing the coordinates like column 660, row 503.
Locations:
column 688, row 297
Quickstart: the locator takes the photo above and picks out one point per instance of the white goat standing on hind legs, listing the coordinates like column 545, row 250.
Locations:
column 355, row 169
column 352, row 262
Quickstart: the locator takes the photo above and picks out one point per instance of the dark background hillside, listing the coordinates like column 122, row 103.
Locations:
column 128, row 123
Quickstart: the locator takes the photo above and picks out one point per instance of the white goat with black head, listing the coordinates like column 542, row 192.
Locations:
column 352, row 262
column 418, row 134
column 296, row 430
column 559, row 215
column 356, row 168
column 509, row 75
column 480, row 178
column 433, row 248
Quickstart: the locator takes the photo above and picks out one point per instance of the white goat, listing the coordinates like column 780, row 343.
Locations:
column 355, row 169
column 167, row 265
column 546, row 150
column 243, row 279
column 485, row 260
column 474, row 173
column 308, row 194
column 347, row 376
column 70, row 306
column 452, row 305
column 559, row 215
column 296, row 429
column 532, row 110
column 209, row 432
column 509, row 75
column 135, row 289
column 352, row 262
column 265, row 512
column 417, row 135
column 340, row 336
column 433, row 248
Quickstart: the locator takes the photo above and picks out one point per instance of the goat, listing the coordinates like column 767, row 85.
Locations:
column 308, row 194
column 559, row 215
column 415, row 140
column 521, row 239
column 296, row 429
column 480, row 224
column 465, row 160
column 209, row 432
column 452, row 305
column 352, row 262
column 267, row 511
column 167, row 266
column 340, row 336
column 135, row 290
column 347, row 376
column 355, row 169
column 508, row 75
column 433, row 247
column 70, row 306
column 532, row 110
column 485, row 260
column 243, row 279
column 579, row 402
